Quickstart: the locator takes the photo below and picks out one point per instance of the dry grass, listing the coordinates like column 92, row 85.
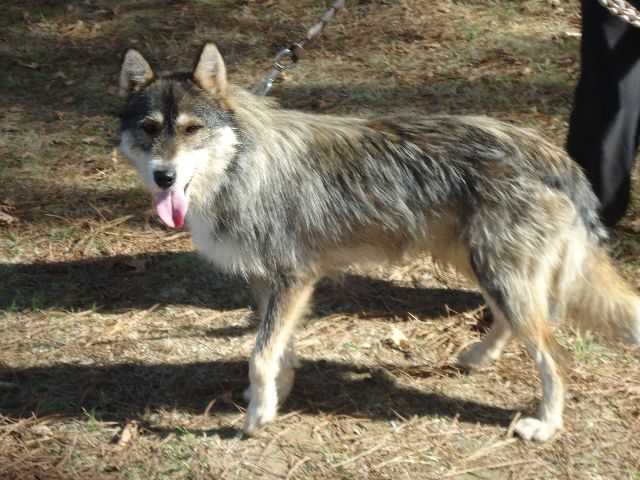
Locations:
column 123, row 356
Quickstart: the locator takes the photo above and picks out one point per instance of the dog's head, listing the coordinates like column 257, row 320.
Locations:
column 176, row 129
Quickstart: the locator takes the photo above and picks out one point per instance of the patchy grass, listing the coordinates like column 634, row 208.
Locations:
column 106, row 318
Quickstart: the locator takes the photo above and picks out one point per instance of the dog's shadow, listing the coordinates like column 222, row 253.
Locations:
column 124, row 391
column 128, row 391
column 117, row 283
column 135, row 282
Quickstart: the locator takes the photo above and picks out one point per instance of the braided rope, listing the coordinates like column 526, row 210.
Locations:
column 624, row 10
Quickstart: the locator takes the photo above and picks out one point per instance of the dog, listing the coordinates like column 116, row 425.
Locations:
column 282, row 197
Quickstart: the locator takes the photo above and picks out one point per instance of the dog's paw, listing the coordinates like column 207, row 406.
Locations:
column 258, row 416
column 475, row 357
column 263, row 406
column 530, row 428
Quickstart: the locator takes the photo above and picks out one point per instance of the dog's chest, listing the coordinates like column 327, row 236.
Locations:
column 218, row 247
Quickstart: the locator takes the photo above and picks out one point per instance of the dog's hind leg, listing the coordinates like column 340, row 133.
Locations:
column 272, row 361
column 547, row 355
column 519, row 294
column 523, row 302
column 490, row 348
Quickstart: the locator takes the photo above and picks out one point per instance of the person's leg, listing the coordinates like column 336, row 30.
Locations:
column 603, row 130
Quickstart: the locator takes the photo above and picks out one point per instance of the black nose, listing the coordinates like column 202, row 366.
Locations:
column 164, row 178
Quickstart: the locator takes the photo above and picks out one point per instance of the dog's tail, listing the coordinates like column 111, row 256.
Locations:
column 596, row 297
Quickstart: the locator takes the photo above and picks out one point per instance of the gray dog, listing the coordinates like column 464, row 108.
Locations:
column 282, row 197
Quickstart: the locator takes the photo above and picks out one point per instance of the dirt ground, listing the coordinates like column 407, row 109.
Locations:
column 123, row 356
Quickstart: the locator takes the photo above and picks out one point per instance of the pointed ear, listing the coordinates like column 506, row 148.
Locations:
column 134, row 73
column 210, row 71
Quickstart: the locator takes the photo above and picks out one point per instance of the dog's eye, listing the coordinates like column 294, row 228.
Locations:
column 150, row 128
column 192, row 128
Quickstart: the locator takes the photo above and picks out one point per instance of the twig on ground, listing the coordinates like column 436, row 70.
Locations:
column 362, row 454
column 487, row 449
column 512, row 425
column 295, row 467
column 491, row 466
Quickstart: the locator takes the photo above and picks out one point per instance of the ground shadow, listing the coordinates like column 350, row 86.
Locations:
column 119, row 282
column 43, row 203
column 125, row 282
column 127, row 391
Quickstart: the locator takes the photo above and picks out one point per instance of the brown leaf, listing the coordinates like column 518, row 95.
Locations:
column 128, row 433
column 138, row 265
column 397, row 340
column 633, row 389
column 6, row 218
column 29, row 65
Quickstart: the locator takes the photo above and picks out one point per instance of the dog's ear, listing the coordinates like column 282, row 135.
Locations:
column 210, row 71
column 135, row 73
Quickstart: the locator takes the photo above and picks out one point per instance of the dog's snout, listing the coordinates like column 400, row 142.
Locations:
column 164, row 178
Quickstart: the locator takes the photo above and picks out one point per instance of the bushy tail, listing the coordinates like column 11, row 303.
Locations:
column 596, row 297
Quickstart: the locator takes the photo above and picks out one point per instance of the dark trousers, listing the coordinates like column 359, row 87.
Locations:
column 603, row 129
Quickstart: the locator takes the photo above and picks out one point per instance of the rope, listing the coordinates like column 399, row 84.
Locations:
column 624, row 10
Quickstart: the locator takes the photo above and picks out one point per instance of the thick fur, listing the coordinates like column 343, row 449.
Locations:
column 282, row 197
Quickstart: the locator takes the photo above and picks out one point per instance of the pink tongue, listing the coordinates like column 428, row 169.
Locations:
column 172, row 207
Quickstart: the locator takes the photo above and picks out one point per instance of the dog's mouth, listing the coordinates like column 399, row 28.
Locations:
column 172, row 205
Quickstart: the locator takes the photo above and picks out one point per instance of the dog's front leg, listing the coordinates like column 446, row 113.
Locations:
column 272, row 363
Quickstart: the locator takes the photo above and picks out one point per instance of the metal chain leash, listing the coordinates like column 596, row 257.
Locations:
column 287, row 57
column 624, row 10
